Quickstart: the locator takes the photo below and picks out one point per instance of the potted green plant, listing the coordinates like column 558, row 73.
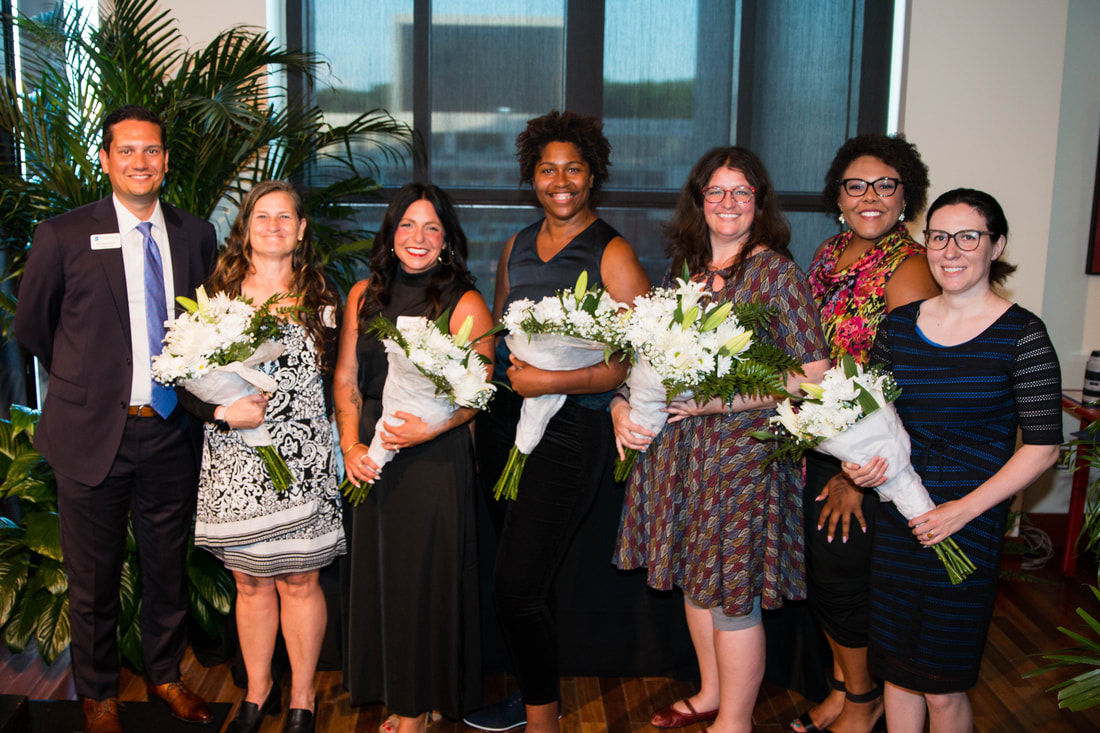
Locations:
column 1083, row 690
column 229, row 125
column 34, row 592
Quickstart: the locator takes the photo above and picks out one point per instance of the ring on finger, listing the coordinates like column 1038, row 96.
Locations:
column 930, row 534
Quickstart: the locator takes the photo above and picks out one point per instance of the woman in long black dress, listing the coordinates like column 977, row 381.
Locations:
column 973, row 368
column 412, row 600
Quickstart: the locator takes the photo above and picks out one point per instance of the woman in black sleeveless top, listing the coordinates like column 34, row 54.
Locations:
column 564, row 156
column 412, row 635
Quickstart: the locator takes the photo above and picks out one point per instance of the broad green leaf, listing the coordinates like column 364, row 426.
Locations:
column 44, row 534
column 13, row 578
column 52, row 632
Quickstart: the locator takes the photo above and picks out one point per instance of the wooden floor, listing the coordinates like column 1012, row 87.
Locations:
column 1030, row 606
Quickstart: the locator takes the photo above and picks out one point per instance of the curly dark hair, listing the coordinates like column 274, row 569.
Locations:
column 688, row 236
column 584, row 131
column 308, row 281
column 893, row 150
column 995, row 222
column 384, row 262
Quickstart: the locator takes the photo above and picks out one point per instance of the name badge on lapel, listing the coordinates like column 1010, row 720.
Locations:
column 106, row 241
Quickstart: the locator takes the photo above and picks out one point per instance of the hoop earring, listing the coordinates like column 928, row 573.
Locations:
column 450, row 256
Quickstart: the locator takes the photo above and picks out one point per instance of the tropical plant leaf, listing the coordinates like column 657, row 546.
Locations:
column 230, row 126
column 129, row 611
column 24, row 617
column 44, row 534
column 52, row 630
column 51, row 576
column 13, row 577
column 210, row 581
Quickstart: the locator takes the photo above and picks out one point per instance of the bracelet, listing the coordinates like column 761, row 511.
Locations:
column 351, row 448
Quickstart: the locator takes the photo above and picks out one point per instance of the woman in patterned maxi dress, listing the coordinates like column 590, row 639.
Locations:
column 973, row 368
column 702, row 512
column 276, row 543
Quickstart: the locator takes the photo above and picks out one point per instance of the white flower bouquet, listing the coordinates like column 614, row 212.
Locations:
column 850, row 416
column 213, row 350
column 683, row 344
column 430, row 374
column 571, row 329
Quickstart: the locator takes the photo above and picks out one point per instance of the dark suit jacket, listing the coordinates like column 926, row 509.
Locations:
column 72, row 314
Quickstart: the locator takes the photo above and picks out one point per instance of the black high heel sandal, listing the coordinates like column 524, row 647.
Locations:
column 870, row 696
column 805, row 720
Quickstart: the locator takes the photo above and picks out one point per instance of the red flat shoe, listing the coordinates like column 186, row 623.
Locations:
column 670, row 717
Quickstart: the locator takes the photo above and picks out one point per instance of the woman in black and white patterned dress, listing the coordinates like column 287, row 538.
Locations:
column 275, row 543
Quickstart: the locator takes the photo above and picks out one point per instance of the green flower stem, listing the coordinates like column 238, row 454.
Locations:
column 623, row 466
column 508, row 484
column 954, row 560
column 276, row 467
column 354, row 494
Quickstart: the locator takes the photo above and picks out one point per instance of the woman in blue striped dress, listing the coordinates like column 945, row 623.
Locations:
column 974, row 369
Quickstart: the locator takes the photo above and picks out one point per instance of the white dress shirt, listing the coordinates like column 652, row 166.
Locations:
column 133, row 261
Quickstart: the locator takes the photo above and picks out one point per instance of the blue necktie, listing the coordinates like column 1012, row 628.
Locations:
column 156, row 313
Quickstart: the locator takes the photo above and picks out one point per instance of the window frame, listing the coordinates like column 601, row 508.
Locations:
column 583, row 92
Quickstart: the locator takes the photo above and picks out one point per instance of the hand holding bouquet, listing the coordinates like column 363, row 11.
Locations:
column 850, row 416
column 684, row 344
column 431, row 374
column 213, row 350
column 571, row 329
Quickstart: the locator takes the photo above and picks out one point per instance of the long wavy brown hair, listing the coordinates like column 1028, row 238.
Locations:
column 384, row 263
column 308, row 282
column 688, row 236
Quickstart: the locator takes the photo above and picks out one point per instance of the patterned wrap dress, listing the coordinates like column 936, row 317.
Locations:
column 241, row 518
column 961, row 406
column 701, row 511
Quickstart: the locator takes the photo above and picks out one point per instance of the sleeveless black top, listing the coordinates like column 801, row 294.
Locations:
column 532, row 278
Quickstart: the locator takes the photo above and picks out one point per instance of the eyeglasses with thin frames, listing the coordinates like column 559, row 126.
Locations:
column 717, row 194
column 884, row 187
column 965, row 239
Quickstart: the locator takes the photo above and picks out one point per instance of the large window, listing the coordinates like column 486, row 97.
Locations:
column 671, row 78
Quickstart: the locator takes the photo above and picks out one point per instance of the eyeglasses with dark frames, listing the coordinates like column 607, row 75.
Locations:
column 717, row 194
column 884, row 187
column 965, row 239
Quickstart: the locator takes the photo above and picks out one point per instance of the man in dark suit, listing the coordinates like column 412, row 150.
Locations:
column 98, row 280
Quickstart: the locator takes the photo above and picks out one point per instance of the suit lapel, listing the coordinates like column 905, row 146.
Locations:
column 105, row 221
column 179, row 242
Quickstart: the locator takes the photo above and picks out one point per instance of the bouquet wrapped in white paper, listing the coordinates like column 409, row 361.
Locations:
column 571, row 329
column 850, row 416
column 684, row 344
column 213, row 350
column 430, row 374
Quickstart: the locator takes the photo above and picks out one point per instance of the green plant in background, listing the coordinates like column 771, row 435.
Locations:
column 34, row 592
column 1083, row 690
column 228, row 127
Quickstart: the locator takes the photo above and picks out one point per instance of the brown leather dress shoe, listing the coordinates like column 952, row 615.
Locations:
column 184, row 704
column 101, row 716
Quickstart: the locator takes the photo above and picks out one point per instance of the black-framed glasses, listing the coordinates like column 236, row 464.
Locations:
column 884, row 187
column 717, row 194
column 965, row 239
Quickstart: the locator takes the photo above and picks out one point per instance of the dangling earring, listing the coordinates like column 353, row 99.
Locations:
column 840, row 218
column 901, row 217
column 450, row 256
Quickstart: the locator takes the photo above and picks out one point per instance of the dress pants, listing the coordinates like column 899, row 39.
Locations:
column 153, row 479
column 560, row 481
